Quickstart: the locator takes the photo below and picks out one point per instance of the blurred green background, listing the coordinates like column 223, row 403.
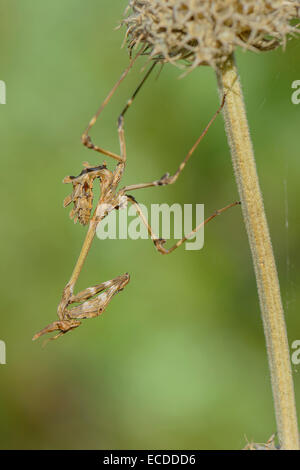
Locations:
column 178, row 359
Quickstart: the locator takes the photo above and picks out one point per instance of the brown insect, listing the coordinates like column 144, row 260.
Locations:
column 93, row 300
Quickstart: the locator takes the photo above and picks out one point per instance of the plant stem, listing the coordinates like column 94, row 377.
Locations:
column 262, row 253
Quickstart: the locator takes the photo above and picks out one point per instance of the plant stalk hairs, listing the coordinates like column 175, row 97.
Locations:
column 190, row 33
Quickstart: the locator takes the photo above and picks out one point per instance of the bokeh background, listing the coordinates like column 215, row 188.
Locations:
column 178, row 359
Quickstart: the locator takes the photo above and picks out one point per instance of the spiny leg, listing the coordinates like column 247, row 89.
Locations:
column 121, row 166
column 130, row 101
column 167, row 178
column 119, row 170
column 159, row 242
column 86, row 139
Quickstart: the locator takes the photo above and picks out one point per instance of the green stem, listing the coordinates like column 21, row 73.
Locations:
column 262, row 253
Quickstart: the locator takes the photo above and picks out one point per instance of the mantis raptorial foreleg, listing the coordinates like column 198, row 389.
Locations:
column 94, row 307
column 89, row 305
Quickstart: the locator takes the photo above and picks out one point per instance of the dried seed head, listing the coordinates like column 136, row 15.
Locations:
column 205, row 32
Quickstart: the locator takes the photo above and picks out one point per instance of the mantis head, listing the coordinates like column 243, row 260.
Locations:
column 62, row 326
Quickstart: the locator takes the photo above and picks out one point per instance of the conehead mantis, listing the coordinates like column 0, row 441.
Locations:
column 92, row 301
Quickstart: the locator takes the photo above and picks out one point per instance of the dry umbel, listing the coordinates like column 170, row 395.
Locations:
column 205, row 32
